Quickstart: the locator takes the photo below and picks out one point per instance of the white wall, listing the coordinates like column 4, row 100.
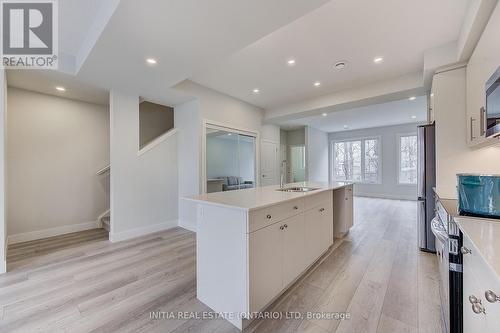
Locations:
column 389, row 188
column 144, row 188
column 3, row 129
column 452, row 153
column 54, row 148
column 213, row 106
column 316, row 155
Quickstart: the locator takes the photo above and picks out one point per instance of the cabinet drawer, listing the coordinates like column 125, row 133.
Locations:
column 315, row 200
column 261, row 218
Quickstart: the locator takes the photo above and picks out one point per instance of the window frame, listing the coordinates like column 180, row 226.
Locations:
column 398, row 152
column 363, row 151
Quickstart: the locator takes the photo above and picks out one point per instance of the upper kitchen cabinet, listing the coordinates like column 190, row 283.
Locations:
column 483, row 63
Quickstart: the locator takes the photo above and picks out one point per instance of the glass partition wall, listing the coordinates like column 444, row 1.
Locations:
column 230, row 160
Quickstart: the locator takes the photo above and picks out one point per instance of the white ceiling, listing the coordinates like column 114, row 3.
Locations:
column 46, row 82
column 185, row 36
column 236, row 46
column 378, row 115
column 352, row 30
column 73, row 28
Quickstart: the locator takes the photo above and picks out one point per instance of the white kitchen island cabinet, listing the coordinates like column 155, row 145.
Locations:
column 253, row 244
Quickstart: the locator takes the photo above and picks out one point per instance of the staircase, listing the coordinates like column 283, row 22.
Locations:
column 105, row 220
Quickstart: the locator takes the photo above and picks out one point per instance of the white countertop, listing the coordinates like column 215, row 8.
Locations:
column 254, row 198
column 485, row 235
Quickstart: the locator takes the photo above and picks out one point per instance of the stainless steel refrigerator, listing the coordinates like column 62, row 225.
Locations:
column 426, row 180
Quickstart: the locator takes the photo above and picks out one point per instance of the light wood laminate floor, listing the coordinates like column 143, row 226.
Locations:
column 376, row 274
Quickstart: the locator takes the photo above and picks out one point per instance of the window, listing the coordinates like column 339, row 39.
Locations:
column 357, row 160
column 408, row 159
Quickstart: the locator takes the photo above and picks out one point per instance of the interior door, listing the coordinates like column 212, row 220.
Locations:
column 269, row 157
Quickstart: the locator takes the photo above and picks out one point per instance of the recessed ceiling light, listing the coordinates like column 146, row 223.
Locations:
column 256, row 91
column 346, row 127
column 413, row 117
column 340, row 64
column 324, row 114
column 60, row 88
column 412, row 98
column 432, row 94
column 291, row 62
column 151, row 61
column 229, row 134
column 317, row 84
column 378, row 60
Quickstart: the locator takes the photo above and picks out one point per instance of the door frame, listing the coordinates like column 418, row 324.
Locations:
column 230, row 128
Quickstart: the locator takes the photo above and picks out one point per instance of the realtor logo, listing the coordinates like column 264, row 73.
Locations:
column 29, row 34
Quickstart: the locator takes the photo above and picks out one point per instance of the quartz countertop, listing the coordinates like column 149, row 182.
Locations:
column 450, row 205
column 485, row 235
column 260, row 197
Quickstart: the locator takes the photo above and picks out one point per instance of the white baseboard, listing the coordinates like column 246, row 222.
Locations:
column 39, row 234
column 141, row 231
column 187, row 226
column 3, row 266
column 385, row 196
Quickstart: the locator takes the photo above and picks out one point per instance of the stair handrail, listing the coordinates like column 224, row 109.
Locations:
column 102, row 171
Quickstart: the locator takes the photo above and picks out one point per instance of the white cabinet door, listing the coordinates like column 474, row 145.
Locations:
column 349, row 207
column 472, row 322
column 313, row 234
column 326, row 228
column 294, row 261
column 266, row 265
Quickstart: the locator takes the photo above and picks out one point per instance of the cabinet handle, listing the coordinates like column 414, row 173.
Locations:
column 322, row 210
column 491, row 296
column 269, row 216
column 465, row 250
column 473, row 299
column 295, row 207
column 472, row 120
column 286, row 225
column 282, row 227
column 483, row 121
column 478, row 308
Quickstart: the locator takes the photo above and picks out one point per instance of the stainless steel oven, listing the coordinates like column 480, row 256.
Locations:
column 492, row 112
column 448, row 243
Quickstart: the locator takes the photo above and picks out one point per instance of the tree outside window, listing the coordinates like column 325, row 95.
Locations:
column 356, row 160
column 408, row 159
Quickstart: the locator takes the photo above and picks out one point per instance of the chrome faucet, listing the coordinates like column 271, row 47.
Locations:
column 282, row 174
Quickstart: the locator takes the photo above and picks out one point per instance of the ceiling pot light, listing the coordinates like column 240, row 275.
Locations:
column 256, row 91
column 412, row 98
column 413, row 117
column 151, row 61
column 378, row 60
column 291, row 62
column 317, row 84
column 324, row 114
column 432, row 94
column 340, row 65
column 60, row 88
column 346, row 127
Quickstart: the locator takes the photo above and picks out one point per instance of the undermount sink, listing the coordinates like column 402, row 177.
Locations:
column 297, row 189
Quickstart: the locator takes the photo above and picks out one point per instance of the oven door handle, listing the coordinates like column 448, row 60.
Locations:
column 438, row 230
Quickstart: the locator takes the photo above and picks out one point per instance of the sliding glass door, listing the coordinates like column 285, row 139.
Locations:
column 230, row 160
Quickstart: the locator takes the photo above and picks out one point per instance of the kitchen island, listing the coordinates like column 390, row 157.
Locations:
column 253, row 244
